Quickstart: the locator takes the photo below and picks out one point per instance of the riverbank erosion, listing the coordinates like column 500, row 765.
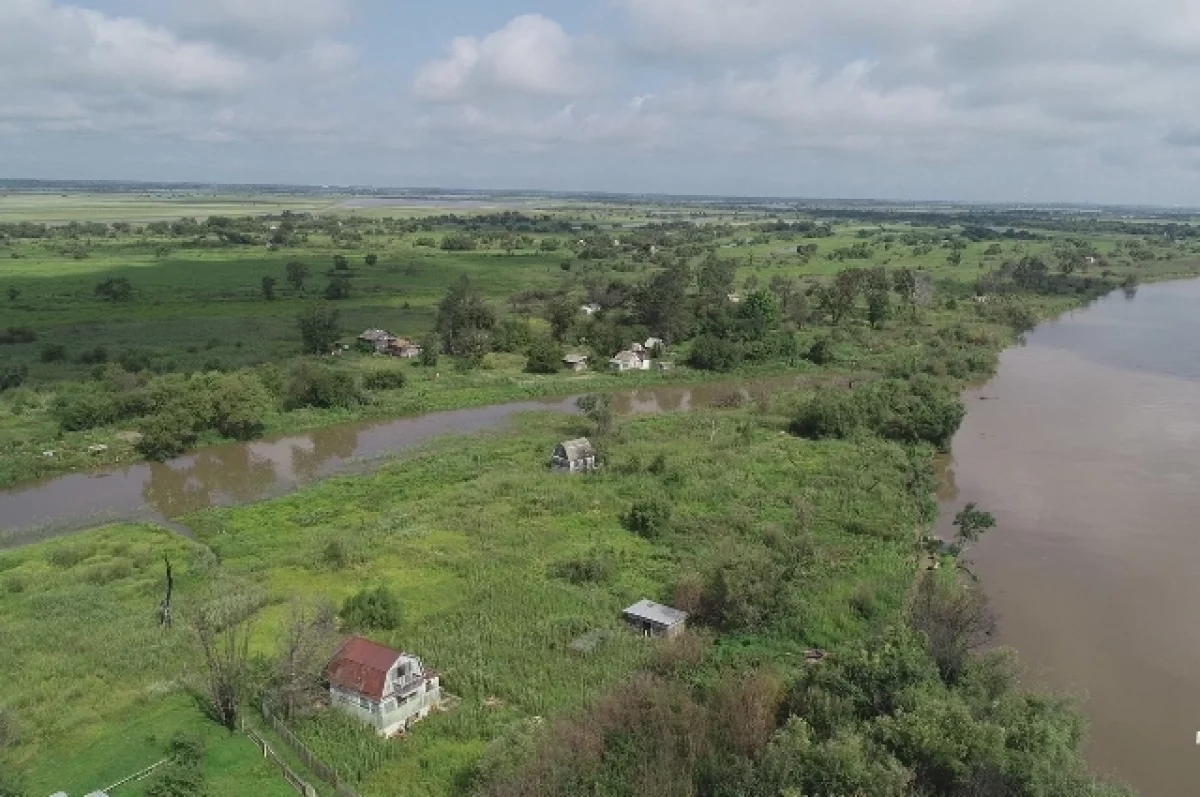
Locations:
column 794, row 556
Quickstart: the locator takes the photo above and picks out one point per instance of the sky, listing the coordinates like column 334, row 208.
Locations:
column 974, row 100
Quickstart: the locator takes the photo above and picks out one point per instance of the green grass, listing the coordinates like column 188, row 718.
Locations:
column 468, row 534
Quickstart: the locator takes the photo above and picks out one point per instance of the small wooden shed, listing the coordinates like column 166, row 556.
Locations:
column 654, row 619
column 574, row 456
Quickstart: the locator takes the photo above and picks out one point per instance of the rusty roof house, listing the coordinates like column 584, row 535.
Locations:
column 574, row 456
column 384, row 688
column 654, row 619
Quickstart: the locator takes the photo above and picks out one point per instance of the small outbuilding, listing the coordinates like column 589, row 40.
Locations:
column 375, row 339
column 576, row 362
column 404, row 348
column 654, row 619
column 574, row 456
column 589, row 309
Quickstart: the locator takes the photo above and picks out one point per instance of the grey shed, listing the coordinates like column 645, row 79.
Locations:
column 574, row 456
column 654, row 619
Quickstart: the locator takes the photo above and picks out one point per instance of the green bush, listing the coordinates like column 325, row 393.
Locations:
column 14, row 335
column 376, row 609
column 96, row 356
column 240, row 402
column 820, row 353
column 313, row 384
column 385, row 379
column 921, row 409
column 54, row 353
column 597, row 566
column 649, row 517
column 166, row 435
column 544, row 357
column 84, row 406
column 710, row 353
column 13, row 376
column 830, row 413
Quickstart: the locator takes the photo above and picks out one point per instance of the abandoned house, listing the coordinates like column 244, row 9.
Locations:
column 375, row 339
column 574, row 456
column 576, row 362
column 629, row 361
column 403, row 347
column 654, row 619
column 384, row 688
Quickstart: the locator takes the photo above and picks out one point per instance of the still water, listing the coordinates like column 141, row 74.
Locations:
column 1086, row 448
column 239, row 473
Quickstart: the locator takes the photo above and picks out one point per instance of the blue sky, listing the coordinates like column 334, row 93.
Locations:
column 994, row 100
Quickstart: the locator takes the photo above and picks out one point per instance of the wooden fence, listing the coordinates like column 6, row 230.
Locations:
column 297, row 782
column 314, row 764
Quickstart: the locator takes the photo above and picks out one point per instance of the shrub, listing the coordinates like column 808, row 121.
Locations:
column 96, row 356
column 240, row 402
column 54, row 353
column 830, row 413
column 649, row 517
column 597, row 566
column 166, row 435
column 387, row 379
column 457, row 242
column 711, row 353
column 13, row 376
column 921, row 409
column 14, row 335
column 117, row 289
column 544, row 357
column 820, row 353
column 84, row 406
column 376, row 609
column 313, row 384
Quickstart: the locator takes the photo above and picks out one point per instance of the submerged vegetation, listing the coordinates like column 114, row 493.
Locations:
column 823, row 656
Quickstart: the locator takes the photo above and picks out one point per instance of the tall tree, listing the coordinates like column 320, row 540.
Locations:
column 716, row 277
column 295, row 274
column 222, row 624
column 268, row 288
column 308, row 642
column 662, row 304
column 320, row 327
column 463, row 316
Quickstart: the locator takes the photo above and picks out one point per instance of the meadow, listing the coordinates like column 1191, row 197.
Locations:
column 787, row 522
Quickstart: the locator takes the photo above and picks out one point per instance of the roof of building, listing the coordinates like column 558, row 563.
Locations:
column 653, row 342
column 626, row 357
column 402, row 343
column 579, row 449
column 375, row 334
column 656, row 613
column 362, row 666
column 575, row 358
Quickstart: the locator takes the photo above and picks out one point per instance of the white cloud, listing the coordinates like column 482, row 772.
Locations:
column 257, row 24
column 529, row 55
column 58, row 46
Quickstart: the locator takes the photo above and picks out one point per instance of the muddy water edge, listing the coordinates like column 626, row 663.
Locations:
column 1086, row 448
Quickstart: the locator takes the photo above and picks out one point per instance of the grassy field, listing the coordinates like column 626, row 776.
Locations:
column 59, row 208
column 470, row 534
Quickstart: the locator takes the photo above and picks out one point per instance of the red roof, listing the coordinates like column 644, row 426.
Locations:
column 362, row 666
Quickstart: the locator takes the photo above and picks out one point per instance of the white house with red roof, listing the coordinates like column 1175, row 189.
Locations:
column 385, row 688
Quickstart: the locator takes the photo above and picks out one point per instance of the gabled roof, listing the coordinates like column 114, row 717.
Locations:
column 578, row 449
column 375, row 334
column 575, row 358
column 625, row 357
column 656, row 613
column 362, row 666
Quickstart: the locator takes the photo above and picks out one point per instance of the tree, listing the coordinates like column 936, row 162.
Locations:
column 971, row 523
column 878, row 308
column 839, row 298
column 166, row 434
column 598, row 409
column 462, row 315
column 338, row 288
column 955, row 258
column 458, row 242
column 241, row 403
column 544, row 356
column 662, row 304
column 340, row 263
column 712, row 353
column 14, row 294
column 371, row 259
column 320, row 327
column 562, row 314
column 268, row 289
column 315, row 384
column 307, row 644
column 431, row 347
column 372, row 609
column 955, row 619
column 116, row 289
column 716, row 277
column 222, row 624
column 649, row 517
column 295, row 274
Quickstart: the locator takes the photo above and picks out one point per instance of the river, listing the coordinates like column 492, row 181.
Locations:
column 238, row 473
column 1086, row 448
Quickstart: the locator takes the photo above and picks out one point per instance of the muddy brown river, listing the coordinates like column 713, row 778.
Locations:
column 1086, row 448
column 239, row 473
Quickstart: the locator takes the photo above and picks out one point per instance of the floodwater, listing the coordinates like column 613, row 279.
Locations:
column 1086, row 448
column 239, row 473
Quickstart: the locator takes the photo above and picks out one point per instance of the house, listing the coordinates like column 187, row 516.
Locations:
column 574, row 456
column 403, row 347
column 654, row 344
column 629, row 361
column 384, row 688
column 590, row 309
column 576, row 362
column 734, row 298
column 654, row 619
column 375, row 339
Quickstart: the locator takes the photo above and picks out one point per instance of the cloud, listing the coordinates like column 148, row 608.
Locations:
column 63, row 46
column 252, row 25
column 530, row 55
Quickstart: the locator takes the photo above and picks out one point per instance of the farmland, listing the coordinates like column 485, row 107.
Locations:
column 786, row 522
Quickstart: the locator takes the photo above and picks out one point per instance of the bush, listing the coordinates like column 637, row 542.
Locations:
column 13, row 376
column 118, row 289
column 14, row 335
column 388, row 379
column 96, row 356
column 313, row 384
column 457, row 242
column 84, row 406
column 830, row 413
column 711, row 353
column 166, row 435
column 649, row 517
column 820, row 353
column 594, row 567
column 240, row 402
column 544, row 357
column 921, row 409
column 54, row 353
column 376, row 609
